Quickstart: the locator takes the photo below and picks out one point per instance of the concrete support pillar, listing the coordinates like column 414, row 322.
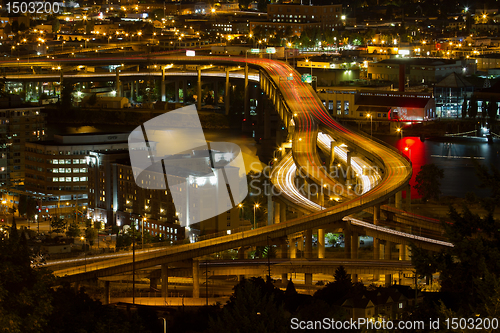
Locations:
column 376, row 248
column 226, row 93
column 241, row 253
column 308, row 277
column 246, row 107
column 184, row 91
column 132, row 89
column 348, row 166
column 321, row 196
column 196, row 279
column 284, row 250
column 282, row 212
column 388, row 280
column 402, row 252
column 117, row 82
column 387, row 250
column 176, row 91
column 284, row 278
column 292, row 248
column 216, row 93
column 198, row 89
column 308, row 251
column 399, row 200
column 376, row 277
column 300, row 244
column 164, row 280
column 163, row 92
column 137, row 89
column 321, row 243
column 354, row 245
column 354, row 278
column 270, row 203
column 376, row 214
column 331, row 158
column 408, row 198
column 267, row 124
column 107, row 294
column 347, row 243
column 276, row 212
column 153, row 283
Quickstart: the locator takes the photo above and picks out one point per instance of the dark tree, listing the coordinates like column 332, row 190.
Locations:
column 492, row 110
column 470, row 271
column 92, row 100
column 58, row 225
column 15, row 27
column 25, row 299
column 73, row 230
column 472, row 108
column 255, row 306
column 66, row 95
column 55, row 25
column 464, row 107
column 244, row 3
column 428, row 183
column 335, row 291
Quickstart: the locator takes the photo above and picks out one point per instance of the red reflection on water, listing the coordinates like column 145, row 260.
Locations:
column 414, row 149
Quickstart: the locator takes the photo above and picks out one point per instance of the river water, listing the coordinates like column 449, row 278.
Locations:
column 451, row 155
column 454, row 156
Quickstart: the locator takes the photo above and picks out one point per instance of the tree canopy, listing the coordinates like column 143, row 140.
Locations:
column 428, row 183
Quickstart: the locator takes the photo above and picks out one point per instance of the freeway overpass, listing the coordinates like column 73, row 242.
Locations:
column 305, row 117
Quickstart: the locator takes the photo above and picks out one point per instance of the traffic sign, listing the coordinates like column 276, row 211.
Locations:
column 307, row 78
column 270, row 50
column 254, row 50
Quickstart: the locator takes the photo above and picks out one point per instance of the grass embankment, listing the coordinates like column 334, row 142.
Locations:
column 80, row 116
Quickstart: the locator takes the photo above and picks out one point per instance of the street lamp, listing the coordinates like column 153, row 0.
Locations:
column 400, row 130
column 164, row 324
column 254, row 213
column 310, row 65
column 369, row 115
column 142, row 237
column 409, row 151
column 84, row 251
column 240, row 206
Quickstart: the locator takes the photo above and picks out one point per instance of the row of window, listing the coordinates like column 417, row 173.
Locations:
column 68, row 161
column 68, row 170
column 68, row 179
column 160, row 227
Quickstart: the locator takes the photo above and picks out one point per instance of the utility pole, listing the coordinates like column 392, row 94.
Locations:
column 133, row 263
column 206, row 280
column 268, row 259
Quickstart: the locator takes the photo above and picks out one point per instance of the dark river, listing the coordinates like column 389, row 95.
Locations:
column 452, row 155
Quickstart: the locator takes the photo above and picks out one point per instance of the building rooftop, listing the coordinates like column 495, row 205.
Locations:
column 454, row 81
column 418, row 61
